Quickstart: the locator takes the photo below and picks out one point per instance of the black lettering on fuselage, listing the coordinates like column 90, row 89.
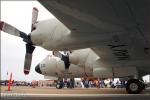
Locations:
column 120, row 52
column 115, row 46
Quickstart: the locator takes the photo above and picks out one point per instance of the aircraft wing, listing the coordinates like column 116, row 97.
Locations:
column 123, row 56
column 128, row 19
column 99, row 16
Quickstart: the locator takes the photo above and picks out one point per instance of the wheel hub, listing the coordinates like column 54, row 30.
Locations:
column 133, row 86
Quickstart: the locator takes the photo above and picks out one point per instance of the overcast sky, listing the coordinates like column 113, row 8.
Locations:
column 18, row 14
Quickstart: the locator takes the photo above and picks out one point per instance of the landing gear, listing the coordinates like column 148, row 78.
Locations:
column 59, row 85
column 134, row 86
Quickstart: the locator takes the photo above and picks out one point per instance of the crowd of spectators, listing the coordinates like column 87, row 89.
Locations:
column 102, row 84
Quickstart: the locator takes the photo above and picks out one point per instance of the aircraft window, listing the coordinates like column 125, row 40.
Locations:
column 42, row 65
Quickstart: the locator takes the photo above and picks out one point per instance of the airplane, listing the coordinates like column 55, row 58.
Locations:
column 116, row 30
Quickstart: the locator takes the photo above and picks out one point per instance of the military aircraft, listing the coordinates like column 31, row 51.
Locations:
column 86, row 63
column 116, row 30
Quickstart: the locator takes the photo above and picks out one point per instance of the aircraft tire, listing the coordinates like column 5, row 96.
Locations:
column 134, row 86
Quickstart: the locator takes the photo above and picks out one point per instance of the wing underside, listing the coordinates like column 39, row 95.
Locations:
column 100, row 16
column 128, row 19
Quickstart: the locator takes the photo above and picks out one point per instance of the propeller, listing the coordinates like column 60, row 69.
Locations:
column 26, row 38
column 64, row 58
column 34, row 18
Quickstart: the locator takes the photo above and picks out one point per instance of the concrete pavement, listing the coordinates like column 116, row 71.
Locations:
column 46, row 93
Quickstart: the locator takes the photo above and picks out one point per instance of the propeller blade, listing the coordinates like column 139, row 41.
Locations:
column 64, row 58
column 9, row 29
column 29, row 46
column 57, row 54
column 28, row 58
column 5, row 27
column 66, row 61
column 34, row 17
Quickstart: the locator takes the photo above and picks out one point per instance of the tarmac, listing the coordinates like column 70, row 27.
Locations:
column 51, row 93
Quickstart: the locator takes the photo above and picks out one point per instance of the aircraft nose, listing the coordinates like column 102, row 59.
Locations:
column 37, row 69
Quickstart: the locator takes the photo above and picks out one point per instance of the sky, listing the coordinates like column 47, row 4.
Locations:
column 19, row 15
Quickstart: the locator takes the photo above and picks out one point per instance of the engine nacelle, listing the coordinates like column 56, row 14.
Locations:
column 79, row 57
column 51, row 67
column 82, row 56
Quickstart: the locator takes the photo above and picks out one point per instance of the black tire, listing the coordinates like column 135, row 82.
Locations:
column 134, row 86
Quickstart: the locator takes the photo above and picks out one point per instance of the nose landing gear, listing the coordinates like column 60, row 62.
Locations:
column 59, row 85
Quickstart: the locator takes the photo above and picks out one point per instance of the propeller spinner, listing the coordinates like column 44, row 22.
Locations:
column 26, row 38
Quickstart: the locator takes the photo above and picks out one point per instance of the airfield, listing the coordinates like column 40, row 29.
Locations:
column 51, row 93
